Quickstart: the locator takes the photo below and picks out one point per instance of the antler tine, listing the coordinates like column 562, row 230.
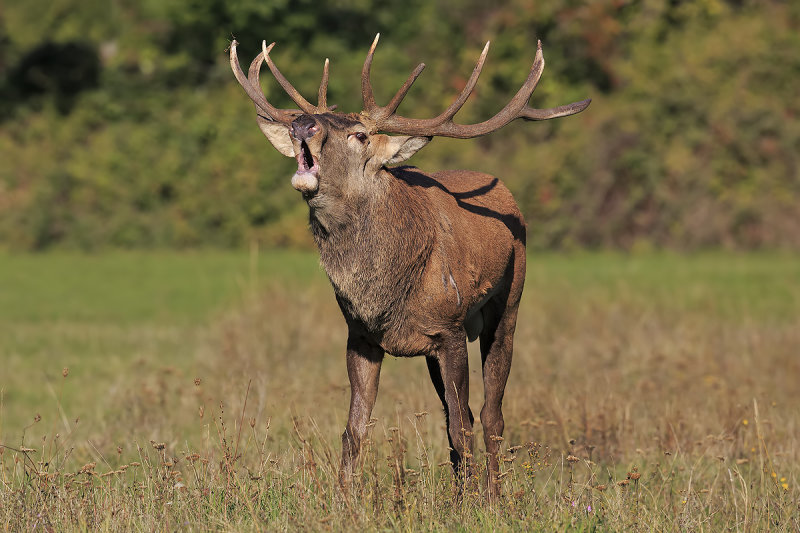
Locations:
column 304, row 104
column 371, row 109
column 253, row 77
column 393, row 104
column 458, row 103
column 530, row 113
column 322, row 94
column 251, row 89
column 367, row 96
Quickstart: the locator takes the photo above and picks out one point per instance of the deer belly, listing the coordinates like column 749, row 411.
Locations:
column 407, row 342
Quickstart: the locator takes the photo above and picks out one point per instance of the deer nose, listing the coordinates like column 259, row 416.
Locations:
column 304, row 127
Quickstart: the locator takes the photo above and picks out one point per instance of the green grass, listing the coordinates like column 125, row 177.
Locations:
column 653, row 361
column 139, row 287
column 756, row 286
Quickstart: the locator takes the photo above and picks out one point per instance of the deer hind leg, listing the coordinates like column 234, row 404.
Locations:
column 364, row 360
column 497, row 339
column 449, row 372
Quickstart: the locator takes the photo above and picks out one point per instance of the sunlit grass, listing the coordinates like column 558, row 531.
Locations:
column 132, row 287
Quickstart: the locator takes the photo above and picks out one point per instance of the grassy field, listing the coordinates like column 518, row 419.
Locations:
column 207, row 390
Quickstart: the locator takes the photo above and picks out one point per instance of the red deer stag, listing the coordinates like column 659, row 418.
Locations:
column 420, row 263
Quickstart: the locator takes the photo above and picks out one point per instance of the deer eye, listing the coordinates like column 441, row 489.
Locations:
column 362, row 137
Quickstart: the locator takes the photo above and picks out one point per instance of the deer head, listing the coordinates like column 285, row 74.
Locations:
column 341, row 154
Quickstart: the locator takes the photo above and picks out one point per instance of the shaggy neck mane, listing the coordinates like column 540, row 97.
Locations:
column 376, row 258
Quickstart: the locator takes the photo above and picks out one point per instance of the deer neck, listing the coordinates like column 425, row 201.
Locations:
column 374, row 250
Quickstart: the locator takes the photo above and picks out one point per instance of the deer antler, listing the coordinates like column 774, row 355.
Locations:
column 443, row 126
column 252, row 86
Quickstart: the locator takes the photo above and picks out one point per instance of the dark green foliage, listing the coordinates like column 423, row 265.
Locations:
column 122, row 126
column 60, row 70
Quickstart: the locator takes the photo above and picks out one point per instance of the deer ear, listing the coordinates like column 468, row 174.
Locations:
column 278, row 135
column 400, row 148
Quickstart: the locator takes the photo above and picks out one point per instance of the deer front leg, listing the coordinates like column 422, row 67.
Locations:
column 363, row 368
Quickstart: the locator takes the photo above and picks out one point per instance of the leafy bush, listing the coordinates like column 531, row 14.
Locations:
column 122, row 126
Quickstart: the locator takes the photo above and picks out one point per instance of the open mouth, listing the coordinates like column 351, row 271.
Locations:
column 305, row 179
column 305, row 161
